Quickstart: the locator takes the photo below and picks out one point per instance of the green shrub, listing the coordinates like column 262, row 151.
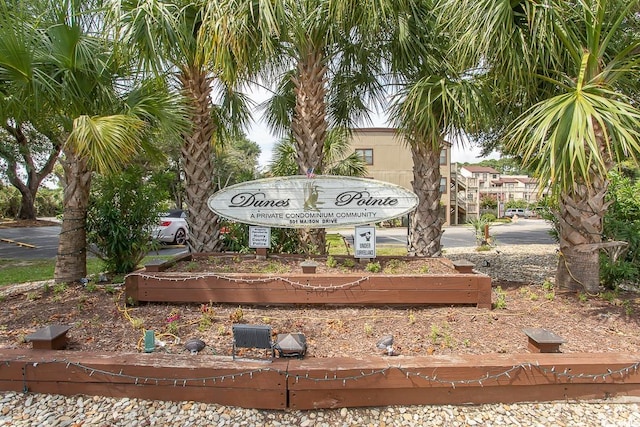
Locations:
column 546, row 208
column 479, row 225
column 236, row 237
column 49, row 202
column 331, row 262
column 348, row 262
column 622, row 223
column 373, row 267
column 9, row 202
column 122, row 212
column 516, row 204
column 488, row 217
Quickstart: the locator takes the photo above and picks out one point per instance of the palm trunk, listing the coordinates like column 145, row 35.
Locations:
column 197, row 158
column 580, row 221
column 425, row 231
column 71, row 261
column 309, row 127
column 580, row 230
column 309, row 124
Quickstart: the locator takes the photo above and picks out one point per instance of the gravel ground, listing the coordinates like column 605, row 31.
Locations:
column 53, row 410
column 535, row 262
column 525, row 263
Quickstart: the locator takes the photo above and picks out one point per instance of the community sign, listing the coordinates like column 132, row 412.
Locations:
column 322, row 201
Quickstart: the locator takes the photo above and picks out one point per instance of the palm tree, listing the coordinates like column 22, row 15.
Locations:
column 339, row 159
column 325, row 69
column 579, row 62
column 61, row 71
column 170, row 38
column 436, row 100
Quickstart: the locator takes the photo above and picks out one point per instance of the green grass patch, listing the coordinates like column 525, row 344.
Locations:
column 14, row 271
column 391, row 250
column 337, row 247
column 336, row 244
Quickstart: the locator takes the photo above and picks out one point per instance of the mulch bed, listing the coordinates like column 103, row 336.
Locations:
column 102, row 321
column 287, row 264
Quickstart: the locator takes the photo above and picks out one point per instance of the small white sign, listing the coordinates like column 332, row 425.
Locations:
column 259, row 237
column 365, row 242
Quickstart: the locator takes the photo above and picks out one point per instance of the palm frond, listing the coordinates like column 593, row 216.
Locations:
column 574, row 135
column 108, row 142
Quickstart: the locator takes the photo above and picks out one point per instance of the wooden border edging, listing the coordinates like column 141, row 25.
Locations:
column 324, row 383
column 155, row 376
column 261, row 289
column 468, row 379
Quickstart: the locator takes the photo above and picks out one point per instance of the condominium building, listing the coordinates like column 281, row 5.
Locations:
column 476, row 182
column 388, row 158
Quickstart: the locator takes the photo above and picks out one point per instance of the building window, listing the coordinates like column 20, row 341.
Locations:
column 443, row 156
column 443, row 185
column 366, row 154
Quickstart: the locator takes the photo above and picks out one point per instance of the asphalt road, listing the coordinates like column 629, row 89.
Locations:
column 520, row 232
column 42, row 242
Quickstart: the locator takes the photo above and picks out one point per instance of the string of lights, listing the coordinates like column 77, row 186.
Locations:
column 233, row 279
column 565, row 374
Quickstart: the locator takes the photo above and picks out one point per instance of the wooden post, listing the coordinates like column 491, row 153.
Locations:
column 261, row 253
column 52, row 337
column 543, row 341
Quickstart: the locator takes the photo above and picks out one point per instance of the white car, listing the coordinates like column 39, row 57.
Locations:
column 522, row 213
column 172, row 227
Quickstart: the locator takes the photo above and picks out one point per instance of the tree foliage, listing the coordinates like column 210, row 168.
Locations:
column 28, row 157
column 236, row 161
column 339, row 159
column 622, row 223
column 123, row 209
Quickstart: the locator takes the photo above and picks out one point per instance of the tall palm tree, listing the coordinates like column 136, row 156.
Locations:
column 430, row 110
column 63, row 71
column 324, row 68
column 170, row 38
column 578, row 62
column 436, row 100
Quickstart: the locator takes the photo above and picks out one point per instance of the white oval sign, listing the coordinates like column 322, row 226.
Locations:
column 318, row 202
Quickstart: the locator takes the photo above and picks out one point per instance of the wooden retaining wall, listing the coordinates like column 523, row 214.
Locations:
column 152, row 284
column 256, row 289
column 156, row 376
column 324, row 383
